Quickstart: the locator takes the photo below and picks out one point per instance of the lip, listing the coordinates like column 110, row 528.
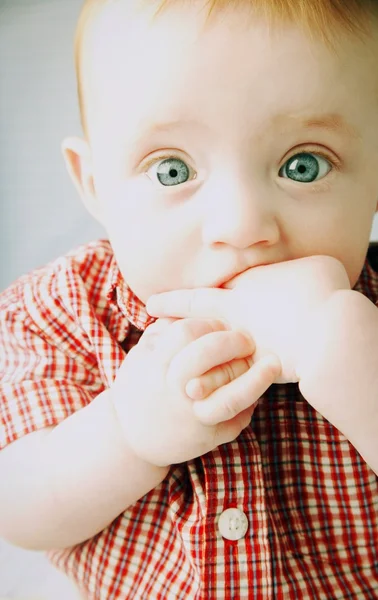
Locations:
column 219, row 283
column 222, row 280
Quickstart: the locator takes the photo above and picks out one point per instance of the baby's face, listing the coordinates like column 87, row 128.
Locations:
column 220, row 148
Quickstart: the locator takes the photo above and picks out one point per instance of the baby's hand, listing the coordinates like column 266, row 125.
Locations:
column 274, row 304
column 160, row 422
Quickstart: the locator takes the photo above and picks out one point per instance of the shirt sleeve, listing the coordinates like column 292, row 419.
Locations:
column 47, row 365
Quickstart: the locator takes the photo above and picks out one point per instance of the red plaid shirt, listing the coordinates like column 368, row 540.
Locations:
column 310, row 501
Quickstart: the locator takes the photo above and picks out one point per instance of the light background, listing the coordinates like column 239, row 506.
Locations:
column 41, row 215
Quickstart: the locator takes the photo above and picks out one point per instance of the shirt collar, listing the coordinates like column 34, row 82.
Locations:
column 367, row 282
column 120, row 295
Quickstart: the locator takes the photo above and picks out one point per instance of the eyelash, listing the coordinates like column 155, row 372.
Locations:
column 334, row 162
column 157, row 159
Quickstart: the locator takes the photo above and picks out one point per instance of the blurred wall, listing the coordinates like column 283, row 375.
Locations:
column 41, row 213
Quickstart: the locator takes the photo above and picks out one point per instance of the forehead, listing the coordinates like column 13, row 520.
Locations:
column 140, row 71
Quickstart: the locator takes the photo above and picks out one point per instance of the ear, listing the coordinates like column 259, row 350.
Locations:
column 77, row 157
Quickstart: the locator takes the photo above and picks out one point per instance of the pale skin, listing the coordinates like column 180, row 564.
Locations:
column 162, row 428
column 322, row 333
column 232, row 107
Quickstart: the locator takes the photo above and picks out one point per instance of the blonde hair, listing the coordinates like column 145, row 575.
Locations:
column 322, row 19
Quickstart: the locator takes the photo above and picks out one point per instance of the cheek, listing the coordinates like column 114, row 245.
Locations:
column 338, row 233
column 351, row 251
column 155, row 252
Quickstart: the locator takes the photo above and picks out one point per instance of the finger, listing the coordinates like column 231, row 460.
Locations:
column 207, row 352
column 230, row 400
column 201, row 387
column 229, row 430
column 200, row 302
column 152, row 332
column 159, row 325
column 181, row 333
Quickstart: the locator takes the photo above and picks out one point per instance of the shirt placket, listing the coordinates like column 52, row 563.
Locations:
column 236, row 549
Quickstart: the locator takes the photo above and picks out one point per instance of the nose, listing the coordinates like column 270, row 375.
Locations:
column 239, row 215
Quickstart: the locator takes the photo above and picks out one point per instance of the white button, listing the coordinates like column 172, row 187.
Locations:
column 233, row 524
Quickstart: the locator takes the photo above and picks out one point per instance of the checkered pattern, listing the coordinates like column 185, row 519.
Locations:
column 310, row 499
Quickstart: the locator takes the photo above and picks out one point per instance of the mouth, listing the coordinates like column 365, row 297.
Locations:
column 218, row 283
column 222, row 282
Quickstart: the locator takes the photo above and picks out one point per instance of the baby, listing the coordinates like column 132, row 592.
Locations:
column 230, row 150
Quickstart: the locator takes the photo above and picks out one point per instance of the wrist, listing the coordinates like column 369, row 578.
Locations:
column 129, row 453
column 337, row 364
column 316, row 335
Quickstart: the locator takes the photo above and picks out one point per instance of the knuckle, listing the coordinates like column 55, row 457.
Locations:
column 148, row 342
column 242, row 366
column 248, row 362
column 228, row 373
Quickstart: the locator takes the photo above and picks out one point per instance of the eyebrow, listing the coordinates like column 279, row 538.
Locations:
column 330, row 122
column 166, row 127
column 154, row 128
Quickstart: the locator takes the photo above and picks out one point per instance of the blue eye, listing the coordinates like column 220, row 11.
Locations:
column 305, row 168
column 171, row 171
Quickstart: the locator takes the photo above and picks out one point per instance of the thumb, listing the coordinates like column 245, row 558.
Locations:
column 202, row 303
